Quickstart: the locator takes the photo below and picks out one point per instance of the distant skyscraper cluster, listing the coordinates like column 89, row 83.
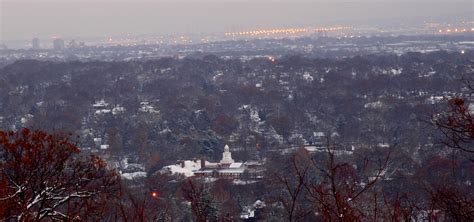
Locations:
column 58, row 44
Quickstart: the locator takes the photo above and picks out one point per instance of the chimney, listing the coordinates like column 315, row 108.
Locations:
column 203, row 163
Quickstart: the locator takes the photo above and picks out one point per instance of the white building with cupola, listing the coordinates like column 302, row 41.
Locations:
column 227, row 167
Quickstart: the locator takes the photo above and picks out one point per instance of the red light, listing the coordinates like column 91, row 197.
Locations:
column 154, row 194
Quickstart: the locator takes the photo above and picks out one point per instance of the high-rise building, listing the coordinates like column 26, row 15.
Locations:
column 58, row 44
column 35, row 43
column 72, row 44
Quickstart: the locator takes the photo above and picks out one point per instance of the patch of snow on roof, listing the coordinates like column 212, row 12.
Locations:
column 235, row 165
column 218, row 74
column 166, row 130
column 147, row 108
column 118, row 109
column 259, row 204
column 187, row 169
column 102, row 111
column 397, row 71
column 308, row 77
column 100, row 103
column 436, row 99
column 374, row 105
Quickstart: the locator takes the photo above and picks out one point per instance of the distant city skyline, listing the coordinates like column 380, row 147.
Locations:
column 79, row 19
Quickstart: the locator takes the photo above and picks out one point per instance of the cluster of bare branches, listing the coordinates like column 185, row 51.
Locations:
column 332, row 190
column 199, row 197
column 457, row 125
column 451, row 195
column 43, row 177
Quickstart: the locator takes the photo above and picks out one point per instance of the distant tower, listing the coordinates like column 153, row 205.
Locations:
column 58, row 44
column 227, row 156
column 35, row 43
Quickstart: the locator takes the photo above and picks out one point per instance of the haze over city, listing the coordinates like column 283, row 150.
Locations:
column 25, row 19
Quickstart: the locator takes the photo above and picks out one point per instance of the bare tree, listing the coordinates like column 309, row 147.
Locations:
column 43, row 177
column 330, row 189
column 292, row 186
column 342, row 193
column 457, row 125
column 201, row 201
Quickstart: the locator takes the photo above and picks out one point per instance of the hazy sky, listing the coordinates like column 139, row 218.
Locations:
column 24, row 19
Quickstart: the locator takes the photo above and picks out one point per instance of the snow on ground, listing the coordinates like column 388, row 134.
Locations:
column 254, row 116
column 392, row 71
column 243, row 182
column 134, row 175
column 147, row 108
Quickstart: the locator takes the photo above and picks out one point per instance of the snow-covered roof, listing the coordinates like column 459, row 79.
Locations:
column 236, row 165
column 100, row 103
column 118, row 109
column 187, row 169
column 259, row 204
column 318, row 134
column 253, row 163
column 374, row 105
column 102, row 111
column 232, row 170
column 211, row 165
